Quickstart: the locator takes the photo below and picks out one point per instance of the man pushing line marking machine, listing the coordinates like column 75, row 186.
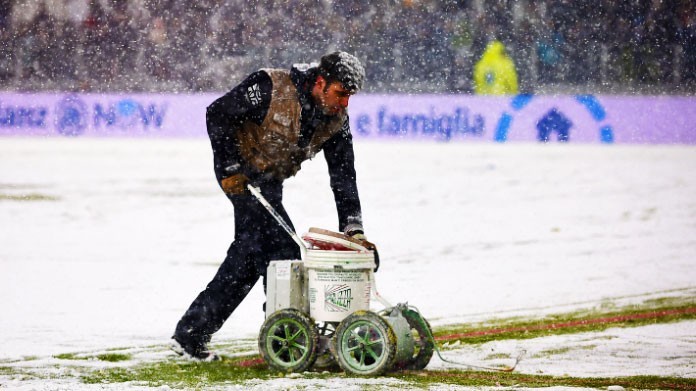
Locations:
column 261, row 132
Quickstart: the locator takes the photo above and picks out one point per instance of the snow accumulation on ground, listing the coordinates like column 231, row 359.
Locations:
column 105, row 242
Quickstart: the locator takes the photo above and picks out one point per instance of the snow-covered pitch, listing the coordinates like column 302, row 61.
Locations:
column 105, row 242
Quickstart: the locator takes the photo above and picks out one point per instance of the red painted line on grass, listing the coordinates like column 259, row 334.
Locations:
column 554, row 326
column 250, row 362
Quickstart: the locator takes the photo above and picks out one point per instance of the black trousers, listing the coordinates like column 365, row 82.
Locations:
column 258, row 239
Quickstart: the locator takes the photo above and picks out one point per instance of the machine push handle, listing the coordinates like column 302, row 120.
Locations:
column 257, row 193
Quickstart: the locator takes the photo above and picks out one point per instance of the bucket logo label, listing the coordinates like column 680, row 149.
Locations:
column 337, row 298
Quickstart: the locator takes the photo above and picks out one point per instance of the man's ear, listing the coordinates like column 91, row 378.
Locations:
column 320, row 82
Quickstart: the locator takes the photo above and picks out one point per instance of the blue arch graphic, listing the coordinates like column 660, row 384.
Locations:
column 593, row 106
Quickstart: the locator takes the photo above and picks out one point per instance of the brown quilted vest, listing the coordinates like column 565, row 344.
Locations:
column 272, row 147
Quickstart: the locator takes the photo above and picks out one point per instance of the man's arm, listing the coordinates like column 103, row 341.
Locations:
column 248, row 101
column 340, row 158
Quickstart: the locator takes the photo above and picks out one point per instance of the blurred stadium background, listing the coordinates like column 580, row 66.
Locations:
column 409, row 46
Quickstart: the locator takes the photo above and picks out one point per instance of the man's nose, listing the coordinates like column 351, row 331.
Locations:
column 344, row 101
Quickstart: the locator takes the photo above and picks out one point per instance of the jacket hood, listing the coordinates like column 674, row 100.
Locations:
column 494, row 49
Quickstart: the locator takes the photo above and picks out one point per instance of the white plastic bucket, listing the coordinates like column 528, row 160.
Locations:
column 338, row 283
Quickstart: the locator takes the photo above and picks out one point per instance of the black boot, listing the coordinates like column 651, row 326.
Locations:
column 193, row 350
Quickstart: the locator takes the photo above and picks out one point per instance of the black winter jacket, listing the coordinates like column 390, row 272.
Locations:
column 249, row 101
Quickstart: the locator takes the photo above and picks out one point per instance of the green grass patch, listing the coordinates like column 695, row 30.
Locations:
column 70, row 356
column 110, row 357
column 489, row 379
column 551, row 352
column 178, row 373
column 497, row 356
column 27, row 197
column 113, row 357
column 563, row 350
column 650, row 312
column 18, row 373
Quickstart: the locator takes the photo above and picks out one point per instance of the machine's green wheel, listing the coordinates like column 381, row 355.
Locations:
column 288, row 341
column 421, row 333
column 365, row 344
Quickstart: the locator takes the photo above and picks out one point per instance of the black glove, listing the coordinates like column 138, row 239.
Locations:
column 360, row 236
